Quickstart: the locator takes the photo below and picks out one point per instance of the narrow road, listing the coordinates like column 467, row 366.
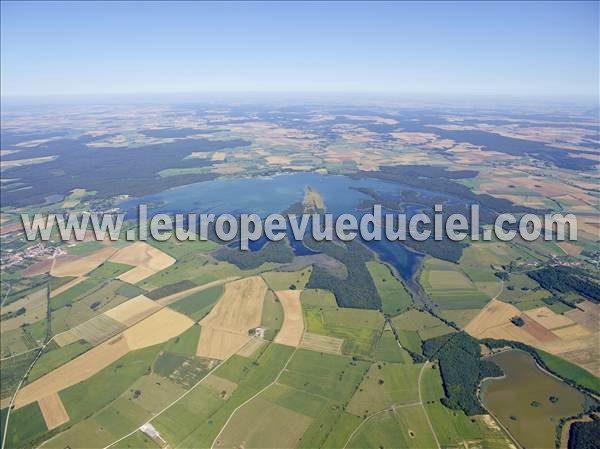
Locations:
column 14, row 396
column 250, row 399
column 423, row 405
column 168, row 406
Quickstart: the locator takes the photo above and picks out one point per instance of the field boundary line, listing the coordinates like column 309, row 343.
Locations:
column 20, row 353
column 169, row 405
column 423, row 405
column 176, row 400
column 363, row 422
column 14, row 397
column 253, row 397
column 185, row 393
column 7, row 293
column 166, row 301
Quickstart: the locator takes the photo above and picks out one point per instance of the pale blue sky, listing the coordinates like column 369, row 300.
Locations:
column 534, row 49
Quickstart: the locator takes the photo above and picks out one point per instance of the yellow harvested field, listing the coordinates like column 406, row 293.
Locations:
column 587, row 314
column 133, row 310
column 447, row 279
column 225, row 328
column 543, row 329
column 548, row 319
column 278, row 160
column 142, row 254
column 580, row 350
column 66, row 338
column 291, row 331
column 251, row 347
column 240, row 307
column 53, row 411
column 218, row 156
column 510, row 332
column 146, row 259
column 79, row 265
column 73, row 372
column 322, row 343
column 495, row 313
column 157, row 328
column 570, row 248
column 572, row 332
column 136, row 275
column 67, row 286
column 219, row 343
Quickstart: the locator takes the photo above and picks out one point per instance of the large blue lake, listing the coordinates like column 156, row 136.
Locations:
column 266, row 195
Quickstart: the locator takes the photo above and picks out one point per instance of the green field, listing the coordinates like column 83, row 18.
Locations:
column 523, row 292
column 26, row 426
column 450, row 288
column 178, row 250
column 287, row 280
column 478, row 258
column 102, row 388
column 452, row 427
column 55, row 356
column 186, row 343
column 12, row 371
column 426, row 325
column 395, row 298
column 197, row 419
column 409, row 340
column 146, row 396
column 388, row 350
column 85, row 248
column 313, row 297
column 78, row 307
column 327, row 375
column 185, row 371
column 180, row 420
column 197, row 305
column 199, row 268
column 343, row 427
column 569, row 371
column 170, row 289
column 358, row 328
column 400, row 428
column 312, row 410
column 264, row 422
column 272, row 315
column 17, row 341
column 461, row 317
column 385, row 385
column 322, row 426
column 138, row 440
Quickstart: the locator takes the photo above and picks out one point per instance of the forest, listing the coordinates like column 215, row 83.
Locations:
column 584, row 435
column 357, row 290
column 459, row 357
column 565, row 280
column 276, row 252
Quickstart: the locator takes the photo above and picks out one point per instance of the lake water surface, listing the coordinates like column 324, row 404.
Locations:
column 266, row 195
column 521, row 399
